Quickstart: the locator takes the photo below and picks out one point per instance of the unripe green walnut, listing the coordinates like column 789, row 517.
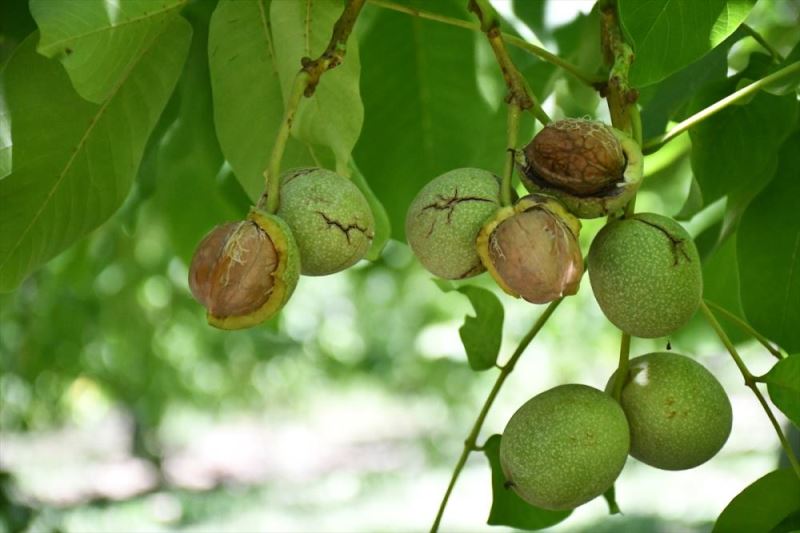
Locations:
column 646, row 274
column 532, row 250
column 329, row 217
column 445, row 217
column 244, row 272
column 679, row 414
column 592, row 168
column 564, row 447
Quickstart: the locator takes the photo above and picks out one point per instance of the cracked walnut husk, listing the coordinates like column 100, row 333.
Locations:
column 445, row 217
column 532, row 250
column 329, row 217
column 594, row 169
column 244, row 272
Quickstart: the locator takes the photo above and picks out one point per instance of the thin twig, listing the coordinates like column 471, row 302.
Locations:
column 750, row 381
column 747, row 328
column 472, row 438
column 589, row 79
column 654, row 144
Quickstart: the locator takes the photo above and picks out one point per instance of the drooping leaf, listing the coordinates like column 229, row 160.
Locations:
column 783, row 385
column 508, row 509
column 481, row 334
column 99, row 41
column 578, row 43
column 189, row 157
column 74, row 161
column 248, row 105
column 424, row 114
column 667, row 35
column 762, row 505
column 734, row 152
column 334, row 115
column 769, row 253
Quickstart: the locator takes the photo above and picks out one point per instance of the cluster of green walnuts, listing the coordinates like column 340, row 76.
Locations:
column 568, row 445
column 244, row 272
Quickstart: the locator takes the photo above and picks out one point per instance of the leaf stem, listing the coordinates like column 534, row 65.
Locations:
column 750, row 382
column 513, row 40
column 654, row 144
column 511, row 150
column 622, row 367
column 305, row 83
column 519, row 93
column 472, row 438
column 747, row 328
column 749, row 30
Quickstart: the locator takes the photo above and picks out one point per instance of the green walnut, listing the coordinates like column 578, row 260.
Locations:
column 329, row 217
column 445, row 217
column 532, row 249
column 244, row 272
column 565, row 446
column 679, row 414
column 592, row 168
column 646, row 274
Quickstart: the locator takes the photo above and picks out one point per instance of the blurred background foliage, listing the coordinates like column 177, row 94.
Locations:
column 120, row 409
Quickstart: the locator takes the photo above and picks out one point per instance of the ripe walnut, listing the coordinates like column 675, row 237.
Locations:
column 243, row 272
column 532, row 250
column 593, row 168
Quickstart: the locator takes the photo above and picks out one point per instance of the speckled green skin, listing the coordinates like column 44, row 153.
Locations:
column 678, row 412
column 444, row 219
column 565, row 446
column 646, row 275
column 329, row 218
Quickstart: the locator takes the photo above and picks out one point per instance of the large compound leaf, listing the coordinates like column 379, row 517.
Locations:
column 769, row 253
column 508, row 509
column 74, row 161
column 334, row 115
column 98, row 41
column 762, row 505
column 424, row 113
column 734, row 152
column 783, row 384
column 248, row 105
column 667, row 35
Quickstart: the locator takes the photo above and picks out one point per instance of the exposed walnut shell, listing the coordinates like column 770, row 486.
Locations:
column 582, row 157
column 244, row 272
column 532, row 250
column 231, row 272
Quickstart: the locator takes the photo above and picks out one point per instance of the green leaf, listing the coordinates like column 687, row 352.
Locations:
column 577, row 43
column 482, row 334
column 334, row 115
column 248, row 105
column 424, row 113
column 99, row 41
column 783, row 385
column 769, row 253
column 734, row 151
column 532, row 13
column 667, row 35
column 74, row 161
column 189, row 157
column 16, row 23
column 508, row 509
column 762, row 505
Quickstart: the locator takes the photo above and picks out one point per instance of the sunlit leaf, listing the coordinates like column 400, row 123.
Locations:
column 783, row 384
column 74, row 161
column 666, row 35
column 99, row 41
